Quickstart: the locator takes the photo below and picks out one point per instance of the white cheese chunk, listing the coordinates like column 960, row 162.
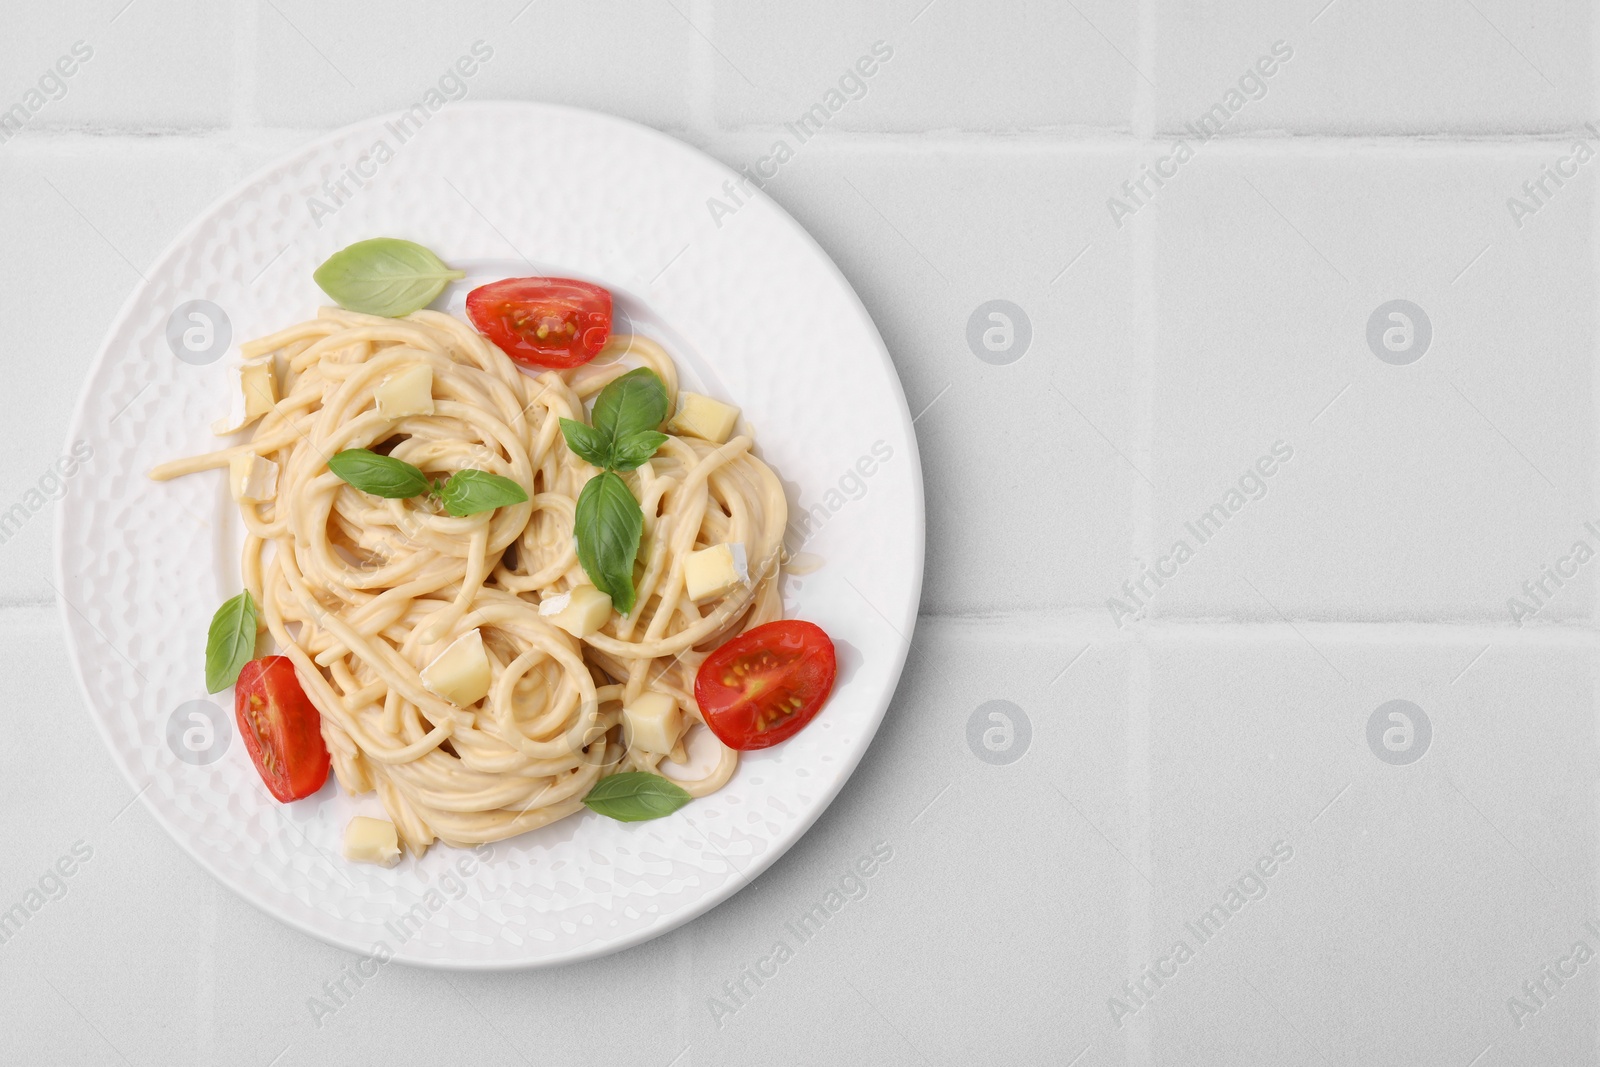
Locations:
column 260, row 387
column 581, row 612
column 254, row 383
column 408, row 391
column 252, row 479
column 460, row 673
column 371, row 841
column 705, row 418
column 652, row 722
column 714, row 571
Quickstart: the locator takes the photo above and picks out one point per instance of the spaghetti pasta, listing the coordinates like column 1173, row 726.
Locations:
column 362, row 593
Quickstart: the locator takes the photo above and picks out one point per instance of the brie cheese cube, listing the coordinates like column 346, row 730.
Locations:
column 371, row 841
column 256, row 388
column 460, row 673
column 580, row 612
column 260, row 387
column 408, row 391
column 653, row 722
column 705, row 418
column 714, row 571
column 252, row 479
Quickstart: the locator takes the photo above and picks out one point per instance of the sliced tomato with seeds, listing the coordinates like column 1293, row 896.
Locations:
column 282, row 729
column 763, row 686
column 556, row 323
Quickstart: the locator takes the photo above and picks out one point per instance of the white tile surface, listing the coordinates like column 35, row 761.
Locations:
column 1363, row 66
column 1261, row 741
column 1169, row 353
column 951, row 64
column 160, row 65
column 325, row 65
column 1435, row 488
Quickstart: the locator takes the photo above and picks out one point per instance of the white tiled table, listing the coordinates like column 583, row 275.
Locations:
column 1169, row 754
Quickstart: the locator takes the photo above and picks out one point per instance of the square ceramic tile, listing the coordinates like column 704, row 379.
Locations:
column 1371, row 390
column 154, row 65
column 915, row 65
column 1365, row 67
column 1421, row 810
column 325, row 66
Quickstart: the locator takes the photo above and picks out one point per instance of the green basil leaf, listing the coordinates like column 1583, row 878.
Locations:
column 231, row 641
column 471, row 491
column 384, row 276
column 586, row 443
column 634, row 450
column 636, row 796
column 636, row 401
column 382, row 476
column 607, row 527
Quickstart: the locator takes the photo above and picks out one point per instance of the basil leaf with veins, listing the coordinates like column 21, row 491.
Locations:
column 230, row 642
column 607, row 526
column 636, row 796
column 384, row 276
column 471, row 491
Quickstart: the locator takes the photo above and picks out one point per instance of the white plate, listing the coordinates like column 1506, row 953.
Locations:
column 747, row 303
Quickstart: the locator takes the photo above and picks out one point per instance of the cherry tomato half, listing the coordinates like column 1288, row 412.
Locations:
column 764, row 685
column 281, row 728
column 543, row 322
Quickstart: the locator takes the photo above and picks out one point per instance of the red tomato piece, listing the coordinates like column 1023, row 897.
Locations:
column 764, row 685
column 554, row 323
column 281, row 728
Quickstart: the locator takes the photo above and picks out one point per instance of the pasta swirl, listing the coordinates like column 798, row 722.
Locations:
column 363, row 592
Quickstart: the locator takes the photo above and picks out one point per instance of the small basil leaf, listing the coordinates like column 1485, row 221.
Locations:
column 471, row 491
column 586, row 443
column 636, row 796
column 636, row 401
column 231, row 641
column 634, row 450
column 384, row 276
column 607, row 526
column 382, row 476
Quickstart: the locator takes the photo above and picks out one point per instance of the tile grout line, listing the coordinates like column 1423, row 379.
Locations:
column 701, row 121
column 1142, row 117
column 1140, row 1050
column 1594, row 380
column 242, row 113
column 1594, row 406
column 702, row 111
column 1143, row 237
